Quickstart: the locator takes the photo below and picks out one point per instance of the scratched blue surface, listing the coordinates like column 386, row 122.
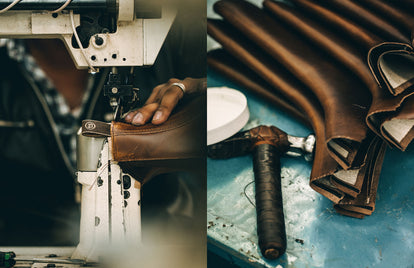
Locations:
column 384, row 239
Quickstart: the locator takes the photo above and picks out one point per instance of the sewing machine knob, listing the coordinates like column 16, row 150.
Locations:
column 98, row 40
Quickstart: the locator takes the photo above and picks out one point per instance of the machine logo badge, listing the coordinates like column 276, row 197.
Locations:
column 90, row 125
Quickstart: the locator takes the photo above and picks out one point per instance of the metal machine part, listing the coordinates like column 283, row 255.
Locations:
column 301, row 146
column 131, row 35
column 120, row 91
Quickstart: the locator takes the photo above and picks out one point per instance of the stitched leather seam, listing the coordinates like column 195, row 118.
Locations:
column 153, row 131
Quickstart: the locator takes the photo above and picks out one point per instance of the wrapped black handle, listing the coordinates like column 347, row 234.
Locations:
column 269, row 205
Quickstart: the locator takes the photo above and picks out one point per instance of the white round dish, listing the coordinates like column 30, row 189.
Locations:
column 227, row 113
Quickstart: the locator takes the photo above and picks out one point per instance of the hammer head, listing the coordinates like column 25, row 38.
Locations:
column 302, row 146
column 244, row 142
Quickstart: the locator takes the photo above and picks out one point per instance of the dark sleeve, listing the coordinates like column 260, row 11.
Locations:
column 188, row 41
column 183, row 53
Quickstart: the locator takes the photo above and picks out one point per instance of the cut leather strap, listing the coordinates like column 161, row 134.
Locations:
column 391, row 64
column 400, row 128
column 94, row 128
column 384, row 106
column 399, row 17
column 407, row 5
column 369, row 19
column 364, row 203
column 338, row 91
column 351, row 19
column 349, row 28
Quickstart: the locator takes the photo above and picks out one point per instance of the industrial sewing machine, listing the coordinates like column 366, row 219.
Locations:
column 97, row 34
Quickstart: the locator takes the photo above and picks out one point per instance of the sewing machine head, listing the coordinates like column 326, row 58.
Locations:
column 108, row 32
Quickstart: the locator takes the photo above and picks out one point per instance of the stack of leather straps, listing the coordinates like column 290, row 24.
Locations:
column 312, row 56
column 376, row 31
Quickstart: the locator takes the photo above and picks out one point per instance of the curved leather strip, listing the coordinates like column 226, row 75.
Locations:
column 180, row 137
column 347, row 27
column 340, row 93
column 357, row 32
column 368, row 19
column 390, row 67
column 377, row 53
column 383, row 104
column 364, row 203
column 391, row 30
column 238, row 73
column 400, row 128
column 404, row 4
column 364, row 174
column 397, row 16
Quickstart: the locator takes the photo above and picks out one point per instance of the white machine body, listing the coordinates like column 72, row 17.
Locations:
column 136, row 42
column 110, row 206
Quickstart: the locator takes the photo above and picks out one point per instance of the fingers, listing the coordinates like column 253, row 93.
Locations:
column 153, row 98
column 142, row 115
column 168, row 102
column 158, row 106
column 128, row 118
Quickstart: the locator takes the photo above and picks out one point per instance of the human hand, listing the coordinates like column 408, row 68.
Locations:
column 163, row 100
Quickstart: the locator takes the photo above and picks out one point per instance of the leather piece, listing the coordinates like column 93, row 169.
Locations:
column 407, row 5
column 339, row 92
column 148, row 150
column 369, row 19
column 380, row 52
column 321, row 26
column 95, row 128
column 175, row 139
column 348, row 28
column 364, row 203
column 227, row 65
column 348, row 16
column 398, row 16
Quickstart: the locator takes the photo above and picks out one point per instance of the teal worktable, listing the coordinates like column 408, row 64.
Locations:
column 316, row 235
